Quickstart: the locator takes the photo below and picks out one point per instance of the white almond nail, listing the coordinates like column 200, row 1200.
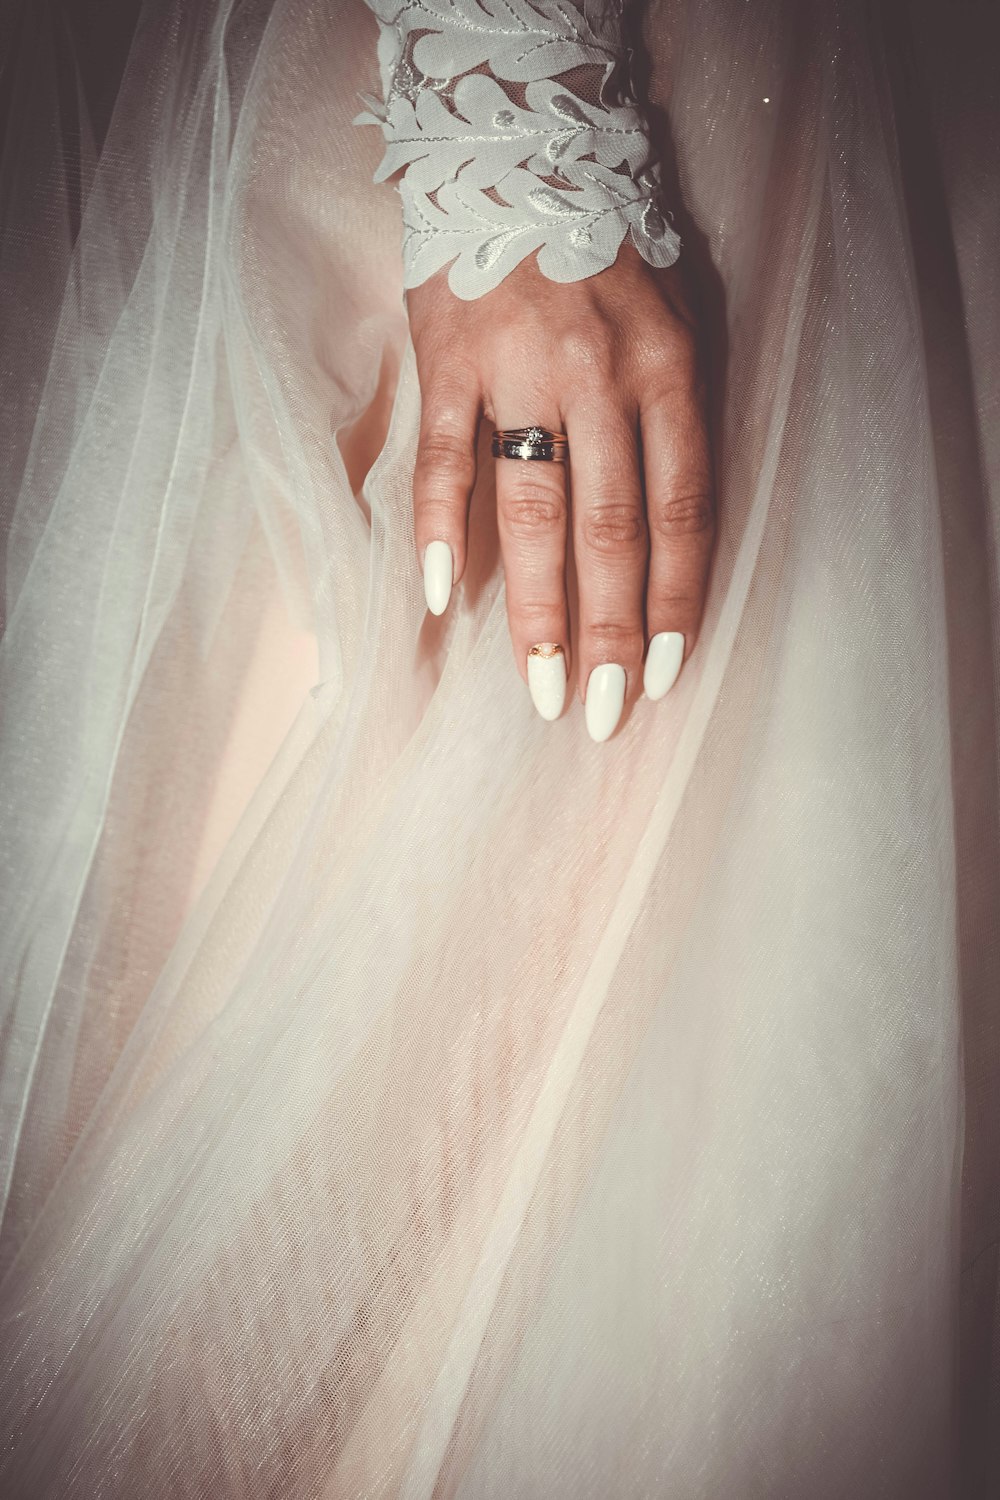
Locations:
column 438, row 573
column 547, row 678
column 605, row 698
column 663, row 663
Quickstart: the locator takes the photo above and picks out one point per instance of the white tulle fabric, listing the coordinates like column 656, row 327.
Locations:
column 402, row 1096
column 501, row 156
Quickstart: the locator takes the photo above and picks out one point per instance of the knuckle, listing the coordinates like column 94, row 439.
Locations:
column 686, row 347
column 589, row 350
column 671, row 603
column 615, row 528
column 532, row 509
column 683, row 515
column 443, row 455
column 536, row 616
column 616, row 640
column 672, row 361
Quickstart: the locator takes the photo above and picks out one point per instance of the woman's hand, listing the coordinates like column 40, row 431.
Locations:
column 612, row 361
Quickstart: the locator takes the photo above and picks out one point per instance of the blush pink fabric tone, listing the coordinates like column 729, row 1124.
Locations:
column 401, row 1096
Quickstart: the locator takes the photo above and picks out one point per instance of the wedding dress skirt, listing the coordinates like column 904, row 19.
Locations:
column 400, row 1095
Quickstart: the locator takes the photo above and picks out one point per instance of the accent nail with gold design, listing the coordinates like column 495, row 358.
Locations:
column 547, row 678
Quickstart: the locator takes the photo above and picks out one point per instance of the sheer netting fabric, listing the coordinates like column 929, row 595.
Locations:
column 515, row 127
column 401, row 1096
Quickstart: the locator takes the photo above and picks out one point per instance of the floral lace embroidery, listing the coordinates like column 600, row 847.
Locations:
column 498, row 157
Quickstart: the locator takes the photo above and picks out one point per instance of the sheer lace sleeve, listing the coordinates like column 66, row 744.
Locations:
column 514, row 126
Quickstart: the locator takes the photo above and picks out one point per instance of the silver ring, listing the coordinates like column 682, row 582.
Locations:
column 531, row 442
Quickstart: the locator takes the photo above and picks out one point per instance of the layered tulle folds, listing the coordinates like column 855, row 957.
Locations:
column 400, row 1095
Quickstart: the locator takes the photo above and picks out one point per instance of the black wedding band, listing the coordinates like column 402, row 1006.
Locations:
column 531, row 442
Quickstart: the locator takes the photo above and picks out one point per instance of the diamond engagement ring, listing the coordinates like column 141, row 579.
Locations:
column 530, row 442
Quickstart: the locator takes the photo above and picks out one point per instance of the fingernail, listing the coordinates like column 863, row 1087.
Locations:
column 438, row 573
column 547, row 678
column 663, row 663
column 604, row 700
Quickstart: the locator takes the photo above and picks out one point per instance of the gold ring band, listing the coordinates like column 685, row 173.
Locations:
column 531, row 443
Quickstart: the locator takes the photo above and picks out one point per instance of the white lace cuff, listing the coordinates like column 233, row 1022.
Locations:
column 502, row 153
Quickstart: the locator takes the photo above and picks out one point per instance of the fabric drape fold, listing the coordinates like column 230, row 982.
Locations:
column 402, row 1096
